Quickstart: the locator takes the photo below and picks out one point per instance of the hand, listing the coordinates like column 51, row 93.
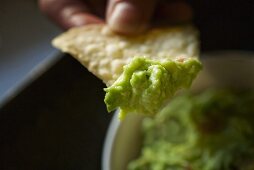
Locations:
column 123, row 16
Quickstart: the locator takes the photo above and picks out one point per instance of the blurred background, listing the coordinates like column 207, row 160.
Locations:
column 25, row 36
column 52, row 114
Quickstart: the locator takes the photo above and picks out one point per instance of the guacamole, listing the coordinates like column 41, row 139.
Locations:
column 210, row 131
column 146, row 85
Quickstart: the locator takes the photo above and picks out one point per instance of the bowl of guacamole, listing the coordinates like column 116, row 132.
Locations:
column 207, row 127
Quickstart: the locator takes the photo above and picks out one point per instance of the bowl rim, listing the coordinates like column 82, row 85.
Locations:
column 109, row 141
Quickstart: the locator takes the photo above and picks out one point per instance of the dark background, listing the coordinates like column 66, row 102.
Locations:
column 59, row 121
column 225, row 24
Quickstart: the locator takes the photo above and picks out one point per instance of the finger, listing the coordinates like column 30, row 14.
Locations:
column 173, row 12
column 68, row 13
column 129, row 16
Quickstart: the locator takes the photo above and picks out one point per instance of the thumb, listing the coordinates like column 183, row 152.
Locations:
column 130, row 16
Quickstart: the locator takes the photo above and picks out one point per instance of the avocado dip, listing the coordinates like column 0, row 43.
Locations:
column 213, row 130
column 146, row 85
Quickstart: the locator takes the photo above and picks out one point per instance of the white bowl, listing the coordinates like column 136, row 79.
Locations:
column 221, row 69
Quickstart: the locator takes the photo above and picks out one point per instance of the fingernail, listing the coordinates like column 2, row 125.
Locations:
column 126, row 18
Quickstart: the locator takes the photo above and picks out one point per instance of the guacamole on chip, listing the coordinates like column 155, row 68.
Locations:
column 146, row 85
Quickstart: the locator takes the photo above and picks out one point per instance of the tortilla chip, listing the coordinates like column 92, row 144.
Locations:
column 104, row 53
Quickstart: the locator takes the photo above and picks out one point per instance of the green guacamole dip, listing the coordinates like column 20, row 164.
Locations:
column 210, row 131
column 146, row 85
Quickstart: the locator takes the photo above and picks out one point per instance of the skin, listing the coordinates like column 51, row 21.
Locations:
column 122, row 16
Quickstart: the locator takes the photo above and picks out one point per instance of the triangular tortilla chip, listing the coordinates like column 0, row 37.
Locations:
column 104, row 53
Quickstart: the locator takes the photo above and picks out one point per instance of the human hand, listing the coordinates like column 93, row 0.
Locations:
column 123, row 16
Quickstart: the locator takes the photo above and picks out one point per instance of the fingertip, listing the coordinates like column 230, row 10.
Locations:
column 126, row 19
column 129, row 16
